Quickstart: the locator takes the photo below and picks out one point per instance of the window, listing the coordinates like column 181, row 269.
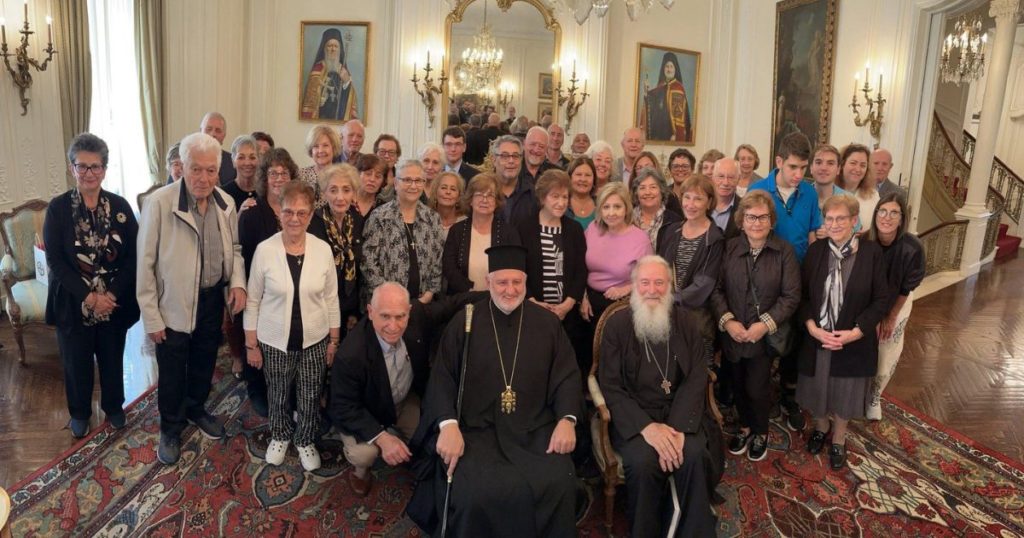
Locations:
column 116, row 114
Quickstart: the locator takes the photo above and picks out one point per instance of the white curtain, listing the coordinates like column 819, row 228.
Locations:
column 116, row 113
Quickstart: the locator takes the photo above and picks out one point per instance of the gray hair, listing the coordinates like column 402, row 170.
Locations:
column 647, row 260
column 345, row 127
column 240, row 142
column 659, row 179
column 506, row 139
column 428, row 147
column 91, row 143
column 213, row 116
column 174, row 154
column 389, row 285
column 537, row 129
column 407, row 163
column 196, row 143
column 599, row 146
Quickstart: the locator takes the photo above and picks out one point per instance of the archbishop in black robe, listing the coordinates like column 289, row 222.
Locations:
column 632, row 387
column 505, row 484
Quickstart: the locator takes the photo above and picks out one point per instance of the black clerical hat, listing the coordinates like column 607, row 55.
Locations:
column 506, row 257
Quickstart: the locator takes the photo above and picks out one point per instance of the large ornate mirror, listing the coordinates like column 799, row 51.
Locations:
column 501, row 54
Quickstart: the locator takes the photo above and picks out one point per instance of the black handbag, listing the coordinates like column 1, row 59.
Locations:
column 781, row 341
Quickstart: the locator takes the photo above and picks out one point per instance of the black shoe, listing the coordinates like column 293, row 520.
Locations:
column 739, row 442
column 259, row 405
column 794, row 416
column 117, row 421
column 79, row 427
column 837, row 456
column 758, row 448
column 169, row 450
column 209, row 425
column 816, row 442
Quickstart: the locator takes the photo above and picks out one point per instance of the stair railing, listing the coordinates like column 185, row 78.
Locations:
column 1009, row 184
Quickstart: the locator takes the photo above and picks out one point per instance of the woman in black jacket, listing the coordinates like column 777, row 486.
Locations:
column 334, row 223
column 463, row 263
column 90, row 237
column 845, row 296
column 905, row 266
column 693, row 248
column 556, row 259
column 758, row 293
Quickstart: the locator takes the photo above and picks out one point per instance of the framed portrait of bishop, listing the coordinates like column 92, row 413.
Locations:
column 666, row 85
column 334, row 67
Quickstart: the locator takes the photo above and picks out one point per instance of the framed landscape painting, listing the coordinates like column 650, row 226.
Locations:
column 666, row 94
column 334, row 67
column 545, row 86
column 805, row 33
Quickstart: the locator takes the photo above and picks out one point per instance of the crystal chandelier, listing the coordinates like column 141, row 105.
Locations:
column 963, row 52
column 479, row 70
column 581, row 9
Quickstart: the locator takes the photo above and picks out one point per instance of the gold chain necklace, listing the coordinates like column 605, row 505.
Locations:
column 508, row 396
column 666, row 385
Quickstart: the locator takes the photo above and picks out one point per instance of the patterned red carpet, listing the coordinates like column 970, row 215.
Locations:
column 905, row 477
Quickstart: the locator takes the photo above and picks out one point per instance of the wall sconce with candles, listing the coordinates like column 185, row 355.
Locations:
column 874, row 116
column 571, row 99
column 428, row 90
column 505, row 95
column 22, row 62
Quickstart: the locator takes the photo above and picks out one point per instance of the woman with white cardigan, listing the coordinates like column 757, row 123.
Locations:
column 292, row 323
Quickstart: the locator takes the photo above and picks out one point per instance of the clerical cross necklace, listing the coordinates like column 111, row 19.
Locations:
column 666, row 385
column 508, row 396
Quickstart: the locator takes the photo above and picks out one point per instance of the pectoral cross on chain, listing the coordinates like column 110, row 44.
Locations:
column 508, row 400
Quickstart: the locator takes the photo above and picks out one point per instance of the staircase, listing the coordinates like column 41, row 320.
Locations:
column 1006, row 245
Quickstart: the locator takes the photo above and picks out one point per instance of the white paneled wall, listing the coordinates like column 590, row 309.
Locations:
column 32, row 164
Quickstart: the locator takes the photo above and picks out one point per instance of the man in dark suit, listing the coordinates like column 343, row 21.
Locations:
column 726, row 176
column 216, row 126
column 478, row 141
column 379, row 376
column 454, row 142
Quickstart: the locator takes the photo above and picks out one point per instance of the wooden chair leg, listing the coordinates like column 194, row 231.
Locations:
column 18, row 337
column 609, row 504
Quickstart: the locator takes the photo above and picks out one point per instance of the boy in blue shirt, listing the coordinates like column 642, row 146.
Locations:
column 796, row 204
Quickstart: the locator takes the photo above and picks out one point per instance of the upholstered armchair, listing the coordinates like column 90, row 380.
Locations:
column 25, row 297
column 608, row 461
column 143, row 195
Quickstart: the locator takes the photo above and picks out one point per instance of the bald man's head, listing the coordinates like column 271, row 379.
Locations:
column 881, row 164
column 632, row 143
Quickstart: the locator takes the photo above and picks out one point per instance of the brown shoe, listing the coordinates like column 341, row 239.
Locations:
column 361, row 486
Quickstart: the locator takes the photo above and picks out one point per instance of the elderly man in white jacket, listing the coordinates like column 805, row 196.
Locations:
column 189, row 268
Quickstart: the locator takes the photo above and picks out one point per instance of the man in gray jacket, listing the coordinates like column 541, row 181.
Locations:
column 189, row 266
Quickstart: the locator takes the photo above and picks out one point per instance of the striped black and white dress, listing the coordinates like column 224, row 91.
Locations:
column 552, row 257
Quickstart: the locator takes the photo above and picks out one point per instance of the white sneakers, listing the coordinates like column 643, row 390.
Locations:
column 309, row 457
column 276, row 451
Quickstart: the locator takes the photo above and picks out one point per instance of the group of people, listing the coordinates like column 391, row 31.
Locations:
column 393, row 300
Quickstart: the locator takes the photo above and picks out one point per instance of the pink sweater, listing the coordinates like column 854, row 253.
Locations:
column 610, row 257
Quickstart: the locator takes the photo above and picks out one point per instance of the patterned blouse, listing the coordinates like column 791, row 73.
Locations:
column 382, row 261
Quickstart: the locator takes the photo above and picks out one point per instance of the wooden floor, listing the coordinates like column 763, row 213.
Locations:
column 963, row 365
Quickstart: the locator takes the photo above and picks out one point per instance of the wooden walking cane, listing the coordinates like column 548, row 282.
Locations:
column 458, row 411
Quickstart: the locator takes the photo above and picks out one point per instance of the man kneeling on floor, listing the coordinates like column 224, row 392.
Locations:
column 654, row 381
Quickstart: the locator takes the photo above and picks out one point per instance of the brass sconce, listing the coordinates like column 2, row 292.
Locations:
column 20, row 72
column 874, row 115
column 428, row 90
column 505, row 96
column 569, row 98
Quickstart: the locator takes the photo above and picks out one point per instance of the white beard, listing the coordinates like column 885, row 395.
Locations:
column 332, row 65
column 508, row 307
column 651, row 323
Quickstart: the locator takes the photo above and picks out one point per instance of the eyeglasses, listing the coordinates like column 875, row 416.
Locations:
column 753, row 219
column 84, row 169
column 510, row 156
column 838, row 220
column 278, row 175
column 387, row 152
column 418, row 181
column 680, row 167
column 483, row 196
column 885, row 213
column 289, row 213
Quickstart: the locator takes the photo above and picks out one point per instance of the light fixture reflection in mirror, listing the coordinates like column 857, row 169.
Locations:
column 528, row 36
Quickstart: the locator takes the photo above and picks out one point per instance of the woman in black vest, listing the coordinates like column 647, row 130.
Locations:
column 464, row 264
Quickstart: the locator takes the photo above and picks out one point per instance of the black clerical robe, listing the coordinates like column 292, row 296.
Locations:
column 633, row 389
column 505, row 484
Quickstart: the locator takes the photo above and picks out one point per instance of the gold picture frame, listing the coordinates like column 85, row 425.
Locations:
column 545, row 106
column 545, row 85
column 666, row 108
column 330, row 98
column 803, row 72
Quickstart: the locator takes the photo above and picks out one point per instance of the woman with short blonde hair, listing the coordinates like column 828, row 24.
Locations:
column 323, row 145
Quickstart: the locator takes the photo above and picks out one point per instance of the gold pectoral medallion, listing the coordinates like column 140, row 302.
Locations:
column 508, row 400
